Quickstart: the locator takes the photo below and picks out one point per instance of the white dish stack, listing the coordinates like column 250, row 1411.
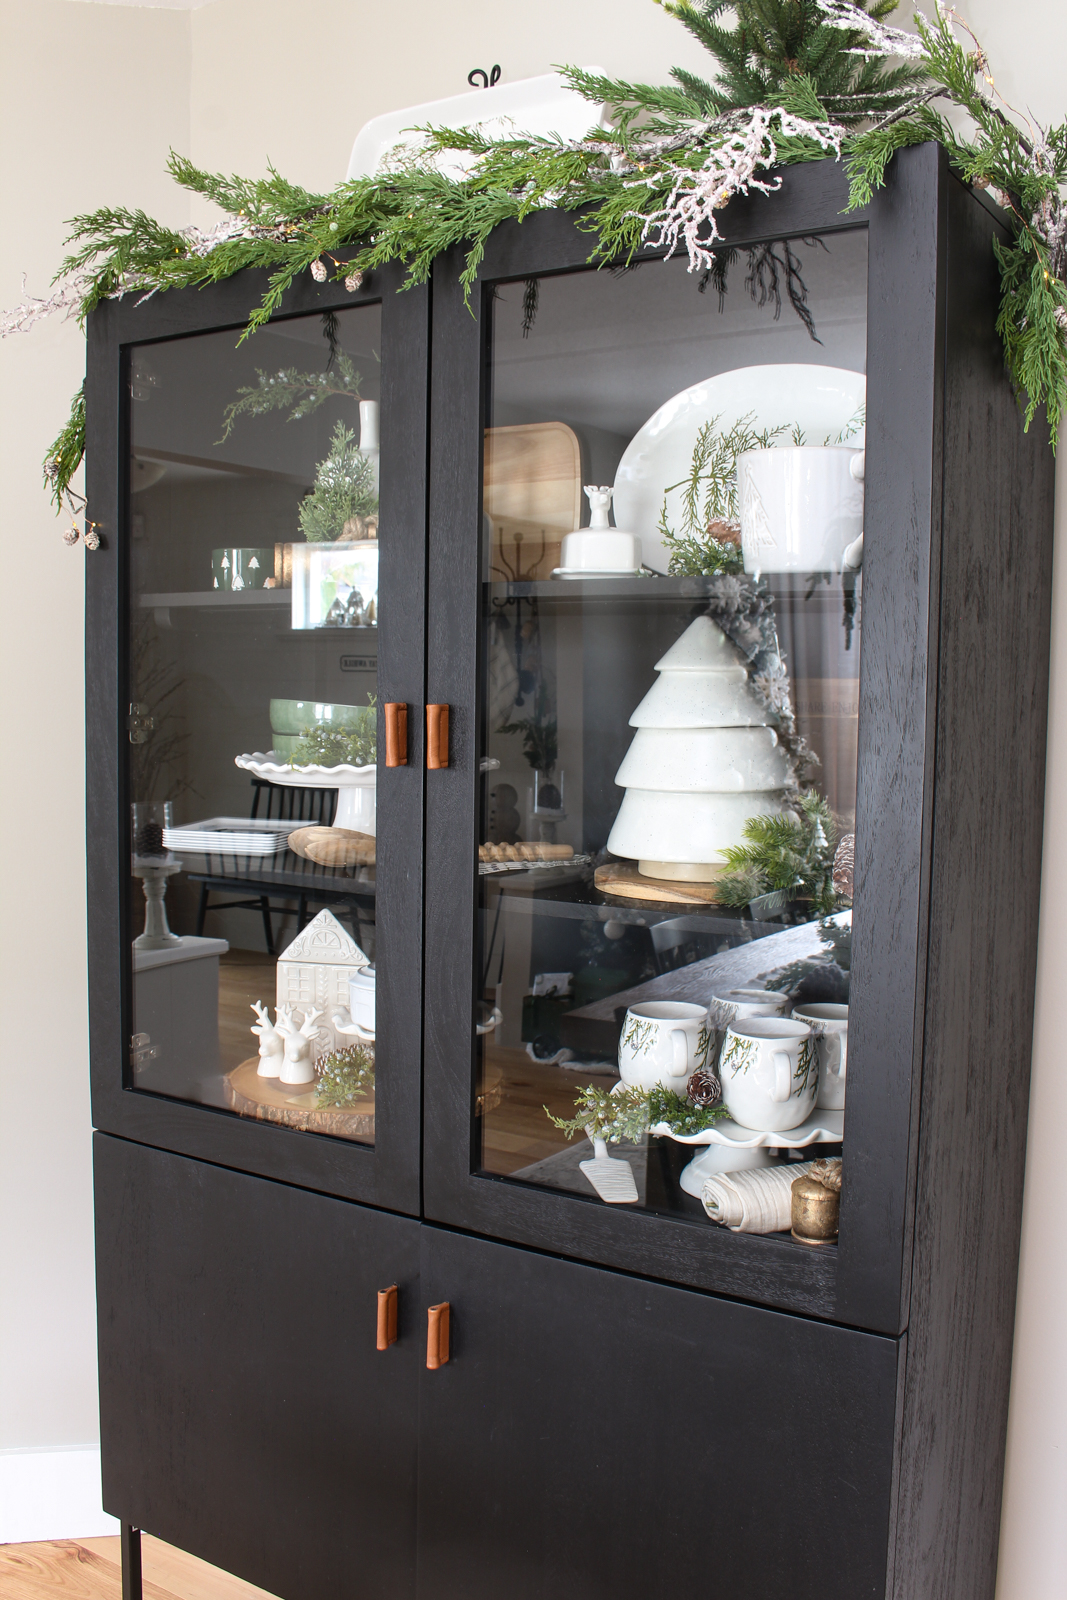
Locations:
column 702, row 762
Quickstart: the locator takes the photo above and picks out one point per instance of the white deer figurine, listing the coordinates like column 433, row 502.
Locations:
column 271, row 1042
column 297, row 1067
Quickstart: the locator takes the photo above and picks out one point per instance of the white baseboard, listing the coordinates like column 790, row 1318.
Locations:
column 52, row 1494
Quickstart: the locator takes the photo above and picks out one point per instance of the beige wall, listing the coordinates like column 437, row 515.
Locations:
column 92, row 96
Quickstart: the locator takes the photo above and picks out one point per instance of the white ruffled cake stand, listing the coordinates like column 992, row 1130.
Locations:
column 731, row 1148
column 356, row 786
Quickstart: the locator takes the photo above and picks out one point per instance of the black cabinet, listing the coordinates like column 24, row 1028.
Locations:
column 246, row 1414
column 635, row 1397
column 590, row 1432
column 598, row 1434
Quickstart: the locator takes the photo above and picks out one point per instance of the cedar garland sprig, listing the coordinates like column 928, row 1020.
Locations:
column 796, row 78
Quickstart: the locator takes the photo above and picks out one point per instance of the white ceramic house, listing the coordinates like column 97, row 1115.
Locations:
column 313, row 974
column 703, row 760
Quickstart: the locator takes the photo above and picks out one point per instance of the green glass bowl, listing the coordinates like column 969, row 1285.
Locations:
column 291, row 717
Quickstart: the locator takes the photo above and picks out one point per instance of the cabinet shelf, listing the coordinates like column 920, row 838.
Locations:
column 217, row 599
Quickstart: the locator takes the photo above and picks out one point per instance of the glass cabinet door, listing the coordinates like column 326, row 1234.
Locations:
column 670, row 636
column 258, row 865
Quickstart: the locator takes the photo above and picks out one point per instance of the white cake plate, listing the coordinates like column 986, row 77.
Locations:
column 731, row 1148
column 588, row 572
column 356, row 786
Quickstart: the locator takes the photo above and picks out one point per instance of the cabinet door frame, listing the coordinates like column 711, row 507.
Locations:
column 387, row 1173
column 241, row 1386
column 865, row 1280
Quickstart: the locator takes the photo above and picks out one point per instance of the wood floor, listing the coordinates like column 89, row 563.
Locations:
column 516, row 1131
column 89, row 1569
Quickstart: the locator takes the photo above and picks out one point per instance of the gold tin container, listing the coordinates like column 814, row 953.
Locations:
column 815, row 1211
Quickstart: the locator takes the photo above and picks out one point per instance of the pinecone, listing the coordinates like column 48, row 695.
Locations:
column 354, row 281
column 318, row 271
column 844, row 866
column 703, row 1088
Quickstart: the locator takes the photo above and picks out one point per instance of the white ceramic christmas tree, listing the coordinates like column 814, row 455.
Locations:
column 703, row 761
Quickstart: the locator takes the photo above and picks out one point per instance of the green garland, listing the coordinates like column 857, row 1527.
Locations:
column 798, row 79
column 628, row 1113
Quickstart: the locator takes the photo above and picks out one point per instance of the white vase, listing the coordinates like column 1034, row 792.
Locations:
column 800, row 507
column 369, row 441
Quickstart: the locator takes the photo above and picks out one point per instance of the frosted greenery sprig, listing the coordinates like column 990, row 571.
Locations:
column 708, row 538
column 345, row 1075
column 628, row 1113
column 299, row 393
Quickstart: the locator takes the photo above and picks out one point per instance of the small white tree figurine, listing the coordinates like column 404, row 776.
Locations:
column 271, row 1042
column 297, row 1067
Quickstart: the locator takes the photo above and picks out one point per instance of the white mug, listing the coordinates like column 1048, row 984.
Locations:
column 733, row 1003
column 829, row 1027
column 663, row 1042
column 801, row 506
column 769, row 1073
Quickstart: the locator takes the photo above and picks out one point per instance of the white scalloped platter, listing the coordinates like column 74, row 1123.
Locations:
column 274, row 768
column 822, row 1127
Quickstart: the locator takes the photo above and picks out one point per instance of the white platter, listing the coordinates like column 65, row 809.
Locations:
column 544, row 105
column 275, row 769
column 822, row 1127
column 228, row 836
column 820, row 400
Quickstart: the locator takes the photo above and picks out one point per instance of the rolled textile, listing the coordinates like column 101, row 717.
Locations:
column 756, row 1200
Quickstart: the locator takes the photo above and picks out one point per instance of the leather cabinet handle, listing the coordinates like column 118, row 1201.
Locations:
column 396, row 733
column 387, row 1309
column 437, row 1319
column 436, row 736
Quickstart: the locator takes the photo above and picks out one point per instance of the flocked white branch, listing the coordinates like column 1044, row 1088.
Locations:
column 731, row 168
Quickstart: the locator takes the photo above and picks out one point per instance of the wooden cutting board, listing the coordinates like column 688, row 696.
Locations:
column 532, row 493
column 623, row 878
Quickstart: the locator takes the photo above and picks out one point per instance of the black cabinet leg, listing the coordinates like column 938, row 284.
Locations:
column 201, row 911
column 130, row 1542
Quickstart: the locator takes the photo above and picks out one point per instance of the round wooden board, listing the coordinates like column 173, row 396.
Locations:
column 268, row 1100
column 622, row 878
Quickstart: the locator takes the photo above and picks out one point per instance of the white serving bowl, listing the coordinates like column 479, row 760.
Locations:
column 713, row 760
column 701, row 700
column 692, row 828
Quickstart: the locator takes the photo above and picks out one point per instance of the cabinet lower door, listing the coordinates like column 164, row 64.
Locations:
column 246, row 1413
column 594, row 1436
